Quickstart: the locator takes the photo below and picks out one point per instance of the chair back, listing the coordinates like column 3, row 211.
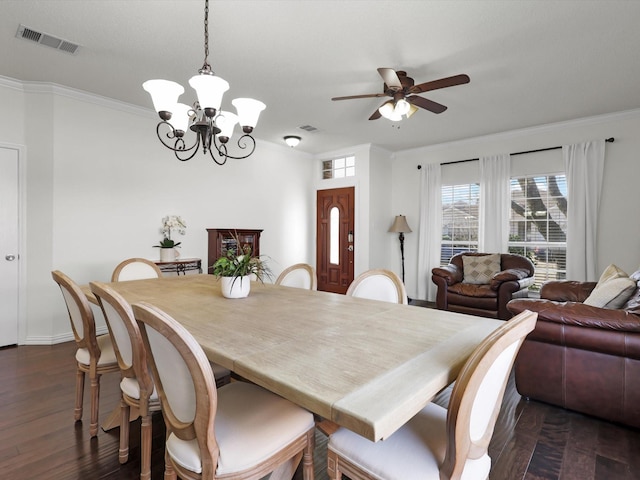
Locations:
column 477, row 396
column 126, row 337
column 80, row 314
column 379, row 284
column 135, row 269
column 184, row 381
column 300, row 275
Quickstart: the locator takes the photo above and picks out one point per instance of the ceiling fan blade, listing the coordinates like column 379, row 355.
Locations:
column 390, row 77
column 442, row 83
column 369, row 95
column 426, row 104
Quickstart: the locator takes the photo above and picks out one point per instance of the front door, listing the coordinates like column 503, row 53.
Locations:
column 8, row 246
column 334, row 239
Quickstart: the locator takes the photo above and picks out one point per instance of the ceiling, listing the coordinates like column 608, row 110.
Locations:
column 530, row 62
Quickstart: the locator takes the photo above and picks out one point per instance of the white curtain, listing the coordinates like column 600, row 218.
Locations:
column 495, row 203
column 584, row 167
column 430, row 233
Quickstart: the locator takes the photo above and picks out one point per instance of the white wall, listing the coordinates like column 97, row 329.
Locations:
column 618, row 230
column 98, row 184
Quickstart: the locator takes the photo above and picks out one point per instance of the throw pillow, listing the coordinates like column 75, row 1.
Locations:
column 612, row 290
column 479, row 270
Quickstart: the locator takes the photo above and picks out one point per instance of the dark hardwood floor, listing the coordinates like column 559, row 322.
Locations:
column 40, row 440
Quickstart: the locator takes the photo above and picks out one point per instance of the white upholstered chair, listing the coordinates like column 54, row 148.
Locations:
column 238, row 431
column 441, row 444
column 136, row 386
column 135, row 269
column 95, row 355
column 379, row 284
column 300, row 275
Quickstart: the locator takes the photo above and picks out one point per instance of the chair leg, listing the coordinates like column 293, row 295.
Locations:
column 307, row 457
column 77, row 412
column 333, row 472
column 169, row 472
column 145, row 447
column 95, row 398
column 123, row 453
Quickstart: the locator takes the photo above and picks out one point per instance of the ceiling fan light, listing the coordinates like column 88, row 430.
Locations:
column 386, row 110
column 412, row 109
column 164, row 94
column 209, row 89
column 402, row 107
column 226, row 122
column 248, row 112
column 180, row 117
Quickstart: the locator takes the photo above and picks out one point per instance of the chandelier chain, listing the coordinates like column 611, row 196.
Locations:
column 206, row 65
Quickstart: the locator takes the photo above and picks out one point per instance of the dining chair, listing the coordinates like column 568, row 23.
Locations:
column 95, row 354
column 135, row 269
column 439, row 443
column 136, row 387
column 300, row 275
column 379, row 284
column 238, row 431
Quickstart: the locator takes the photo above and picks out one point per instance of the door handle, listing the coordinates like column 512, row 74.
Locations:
column 10, row 258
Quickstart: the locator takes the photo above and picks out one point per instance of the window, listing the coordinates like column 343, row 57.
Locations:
column 538, row 224
column 459, row 220
column 339, row 167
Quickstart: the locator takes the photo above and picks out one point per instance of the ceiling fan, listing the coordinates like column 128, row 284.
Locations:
column 402, row 90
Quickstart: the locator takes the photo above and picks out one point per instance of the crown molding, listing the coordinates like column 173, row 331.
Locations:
column 80, row 95
column 529, row 131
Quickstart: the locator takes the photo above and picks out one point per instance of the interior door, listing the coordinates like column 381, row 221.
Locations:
column 335, row 239
column 8, row 246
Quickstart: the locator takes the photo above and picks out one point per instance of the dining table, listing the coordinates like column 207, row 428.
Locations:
column 363, row 364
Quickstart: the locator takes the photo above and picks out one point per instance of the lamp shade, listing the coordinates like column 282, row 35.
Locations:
column 209, row 89
column 226, row 121
column 400, row 225
column 248, row 111
column 180, row 117
column 164, row 94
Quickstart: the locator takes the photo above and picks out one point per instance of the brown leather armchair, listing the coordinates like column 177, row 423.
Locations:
column 582, row 357
column 488, row 300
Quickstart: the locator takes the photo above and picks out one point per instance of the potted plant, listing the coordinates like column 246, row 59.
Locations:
column 167, row 246
column 235, row 270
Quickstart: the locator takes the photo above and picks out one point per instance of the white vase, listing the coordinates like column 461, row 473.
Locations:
column 236, row 287
column 168, row 254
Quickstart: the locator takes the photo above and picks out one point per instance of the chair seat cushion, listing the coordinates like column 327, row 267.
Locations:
column 107, row 354
column 470, row 290
column 131, row 389
column 415, row 451
column 250, row 425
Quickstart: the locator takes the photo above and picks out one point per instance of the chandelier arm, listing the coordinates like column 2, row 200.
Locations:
column 241, row 144
column 222, row 151
column 179, row 144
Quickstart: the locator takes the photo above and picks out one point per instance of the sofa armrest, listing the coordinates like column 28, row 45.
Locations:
column 577, row 314
column 566, row 290
column 510, row 275
column 450, row 273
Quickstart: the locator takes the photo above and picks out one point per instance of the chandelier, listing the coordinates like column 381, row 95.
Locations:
column 213, row 127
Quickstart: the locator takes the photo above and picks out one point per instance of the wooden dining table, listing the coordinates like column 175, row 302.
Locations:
column 363, row 364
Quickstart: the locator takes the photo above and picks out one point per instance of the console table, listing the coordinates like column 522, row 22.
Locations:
column 180, row 265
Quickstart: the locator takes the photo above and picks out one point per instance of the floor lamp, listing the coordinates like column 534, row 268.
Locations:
column 401, row 226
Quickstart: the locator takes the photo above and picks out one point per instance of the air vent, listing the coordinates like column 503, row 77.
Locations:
column 32, row 35
column 308, row 128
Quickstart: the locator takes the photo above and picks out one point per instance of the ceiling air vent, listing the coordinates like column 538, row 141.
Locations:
column 308, row 128
column 32, row 35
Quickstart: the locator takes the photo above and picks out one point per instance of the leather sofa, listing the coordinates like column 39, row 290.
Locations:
column 488, row 300
column 582, row 357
